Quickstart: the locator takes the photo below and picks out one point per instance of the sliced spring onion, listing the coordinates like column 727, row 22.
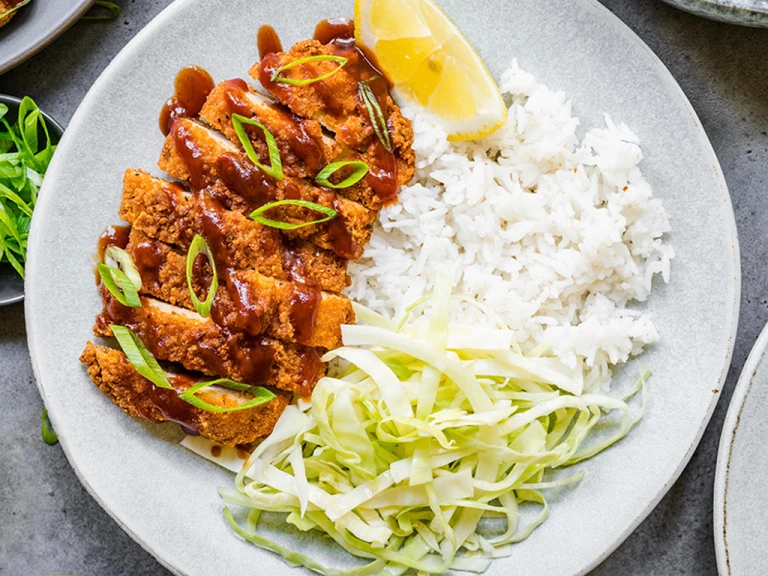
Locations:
column 115, row 257
column 113, row 11
column 260, row 395
column 275, row 169
column 49, row 434
column 139, row 357
column 200, row 246
column 119, row 285
column 361, row 169
column 12, row 10
column 304, row 81
column 377, row 116
column 258, row 214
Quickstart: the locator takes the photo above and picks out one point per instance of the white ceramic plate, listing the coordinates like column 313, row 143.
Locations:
column 163, row 495
column 35, row 26
column 741, row 501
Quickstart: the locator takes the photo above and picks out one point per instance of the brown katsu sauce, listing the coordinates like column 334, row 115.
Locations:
column 235, row 95
column 268, row 41
column 214, row 231
column 249, row 314
column 301, row 142
column 305, row 296
column 216, row 451
column 190, row 154
column 192, row 87
column 332, row 29
column 113, row 236
column 248, row 180
column 254, row 358
column 341, row 238
column 171, row 406
column 311, row 368
column 148, row 256
column 303, row 310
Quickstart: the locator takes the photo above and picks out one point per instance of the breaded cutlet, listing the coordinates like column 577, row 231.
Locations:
column 178, row 335
column 217, row 113
column 166, row 212
column 111, row 372
column 270, row 300
column 346, row 117
column 354, row 221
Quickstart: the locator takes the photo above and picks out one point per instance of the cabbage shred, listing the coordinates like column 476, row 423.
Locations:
column 405, row 457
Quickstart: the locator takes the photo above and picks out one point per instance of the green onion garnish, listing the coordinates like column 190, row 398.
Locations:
column 305, row 81
column 12, row 10
column 200, row 246
column 115, row 257
column 119, row 285
column 361, row 169
column 377, row 116
column 401, row 370
column 23, row 162
column 49, row 434
column 276, row 165
column 257, row 214
column 261, row 395
column 112, row 8
column 139, row 357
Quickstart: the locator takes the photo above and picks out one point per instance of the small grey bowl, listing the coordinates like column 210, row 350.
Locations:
column 11, row 284
column 744, row 12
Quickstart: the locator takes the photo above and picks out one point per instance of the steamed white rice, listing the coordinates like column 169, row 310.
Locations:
column 556, row 235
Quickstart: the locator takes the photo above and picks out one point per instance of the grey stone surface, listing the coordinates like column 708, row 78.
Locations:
column 49, row 524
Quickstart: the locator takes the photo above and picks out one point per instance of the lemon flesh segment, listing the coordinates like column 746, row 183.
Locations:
column 387, row 21
column 431, row 65
column 402, row 57
column 453, row 98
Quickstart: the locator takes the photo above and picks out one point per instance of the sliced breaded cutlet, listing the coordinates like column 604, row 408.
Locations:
column 335, row 101
column 178, row 335
column 237, row 96
column 304, row 148
column 111, row 372
column 254, row 303
column 164, row 211
column 244, row 187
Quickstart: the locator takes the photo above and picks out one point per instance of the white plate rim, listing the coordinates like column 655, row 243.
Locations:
column 733, row 312
column 725, row 450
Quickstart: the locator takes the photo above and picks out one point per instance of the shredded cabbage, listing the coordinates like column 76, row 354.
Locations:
column 421, row 456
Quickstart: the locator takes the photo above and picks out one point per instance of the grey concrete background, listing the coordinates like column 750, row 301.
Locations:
column 49, row 524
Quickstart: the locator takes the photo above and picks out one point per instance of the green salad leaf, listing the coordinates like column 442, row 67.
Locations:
column 24, row 159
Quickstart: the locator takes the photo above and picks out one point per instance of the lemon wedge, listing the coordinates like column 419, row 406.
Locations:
column 431, row 65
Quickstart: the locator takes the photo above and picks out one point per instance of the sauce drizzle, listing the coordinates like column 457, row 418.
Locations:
column 268, row 41
column 113, row 236
column 192, row 87
column 332, row 29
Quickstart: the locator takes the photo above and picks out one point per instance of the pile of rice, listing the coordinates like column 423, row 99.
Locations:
column 557, row 236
